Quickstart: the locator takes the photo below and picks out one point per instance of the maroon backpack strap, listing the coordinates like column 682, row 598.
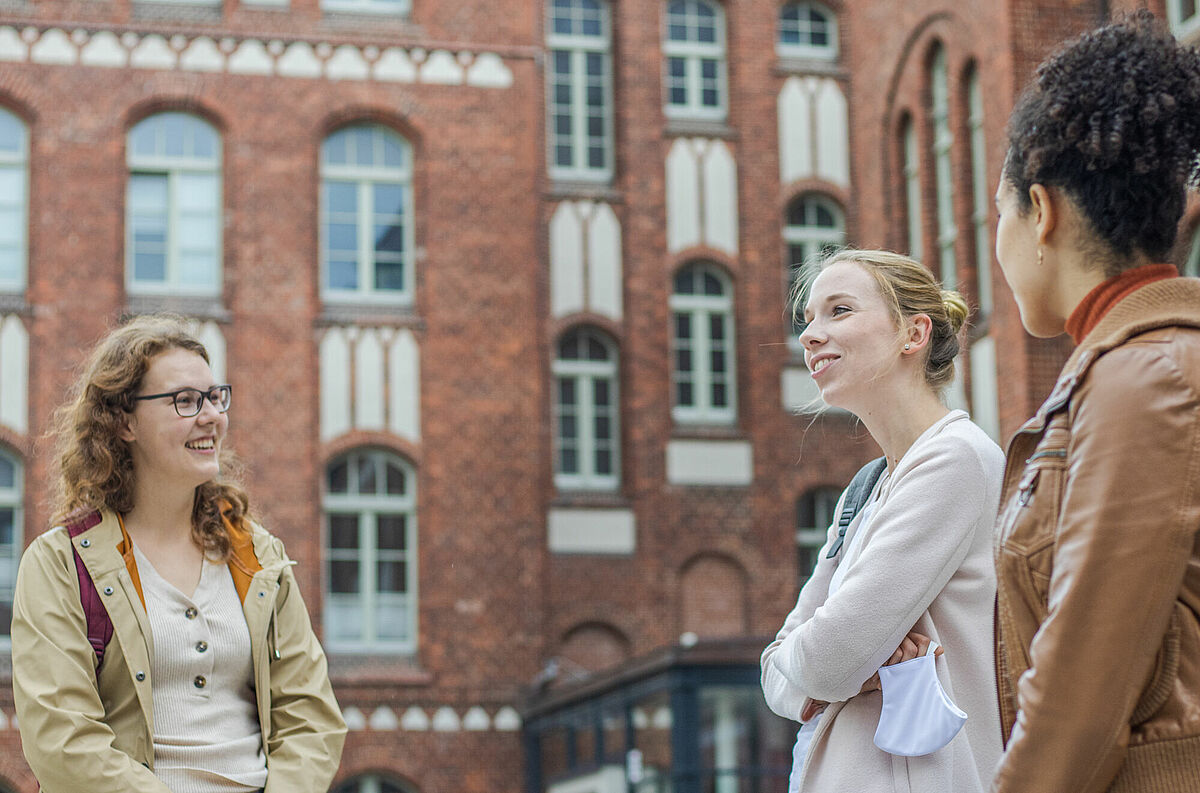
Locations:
column 99, row 624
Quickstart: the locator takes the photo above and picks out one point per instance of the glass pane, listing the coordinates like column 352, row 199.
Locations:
column 8, row 472
column 683, row 326
column 343, row 531
column 343, row 617
column 174, row 132
column 604, row 462
column 596, row 350
column 719, row 395
column 568, row 347
column 148, row 192
column 389, row 199
column 393, row 151
column 716, row 327
column 651, row 717
column 333, row 152
column 343, row 576
column 366, row 474
column 684, row 282
column 149, row 267
column 341, row 197
column 683, row 394
column 567, row 426
column 389, row 239
column 198, row 191
column 600, row 388
column 362, row 145
column 343, row 274
column 396, row 480
column 392, row 531
column 389, row 276
column 391, row 576
column 712, row 285
column 12, row 133
column 391, row 622
column 198, row 269
column 341, row 236
column 566, row 391
column 6, row 541
column 568, row 461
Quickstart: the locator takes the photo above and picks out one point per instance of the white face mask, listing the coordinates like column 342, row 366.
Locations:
column 917, row 717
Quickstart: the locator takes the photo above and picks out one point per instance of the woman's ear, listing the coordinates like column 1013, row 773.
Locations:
column 126, row 432
column 1045, row 208
column 918, row 332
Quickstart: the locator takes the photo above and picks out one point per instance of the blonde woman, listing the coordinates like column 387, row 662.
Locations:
column 208, row 678
column 915, row 564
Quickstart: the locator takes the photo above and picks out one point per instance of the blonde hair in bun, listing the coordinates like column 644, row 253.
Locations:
column 909, row 288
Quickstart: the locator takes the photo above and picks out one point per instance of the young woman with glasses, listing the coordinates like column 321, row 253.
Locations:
column 204, row 675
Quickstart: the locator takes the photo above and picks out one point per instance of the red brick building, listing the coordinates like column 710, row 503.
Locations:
column 500, row 288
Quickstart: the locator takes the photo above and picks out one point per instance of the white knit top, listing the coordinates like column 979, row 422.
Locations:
column 206, row 732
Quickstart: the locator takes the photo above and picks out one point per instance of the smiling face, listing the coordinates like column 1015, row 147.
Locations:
column 184, row 452
column 850, row 340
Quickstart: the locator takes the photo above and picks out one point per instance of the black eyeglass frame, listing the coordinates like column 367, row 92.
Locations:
column 224, row 388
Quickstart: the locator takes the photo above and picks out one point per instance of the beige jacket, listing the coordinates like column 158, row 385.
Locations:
column 82, row 735
column 925, row 564
column 1098, row 562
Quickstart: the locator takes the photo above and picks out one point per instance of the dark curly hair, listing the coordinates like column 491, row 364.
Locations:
column 1113, row 119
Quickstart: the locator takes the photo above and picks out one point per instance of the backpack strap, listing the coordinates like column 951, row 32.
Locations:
column 99, row 624
column 856, row 495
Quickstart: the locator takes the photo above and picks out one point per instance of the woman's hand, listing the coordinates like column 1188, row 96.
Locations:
column 911, row 646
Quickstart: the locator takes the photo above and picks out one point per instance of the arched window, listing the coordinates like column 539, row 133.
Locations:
column 980, row 198
column 371, row 783
column 815, row 227
column 366, row 216
column 912, row 188
column 14, row 201
column 694, row 49
column 943, row 141
column 370, row 505
column 173, row 206
column 579, row 81
column 702, row 346
column 815, row 513
column 807, row 30
column 586, row 433
column 11, row 535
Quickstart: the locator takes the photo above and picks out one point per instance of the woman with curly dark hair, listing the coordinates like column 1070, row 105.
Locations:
column 197, row 670
column 1098, row 561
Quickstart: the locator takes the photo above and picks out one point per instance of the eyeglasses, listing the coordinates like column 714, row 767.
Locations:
column 190, row 401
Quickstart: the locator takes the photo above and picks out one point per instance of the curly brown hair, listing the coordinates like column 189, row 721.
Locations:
column 95, row 466
column 1113, row 119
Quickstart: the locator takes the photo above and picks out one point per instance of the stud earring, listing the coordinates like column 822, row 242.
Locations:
column 1039, row 263
column 906, row 347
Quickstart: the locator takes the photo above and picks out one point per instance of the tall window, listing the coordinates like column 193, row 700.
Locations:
column 580, row 86
column 815, row 513
column 1191, row 267
column 980, row 198
column 587, row 451
column 815, row 227
column 702, row 346
column 912, row 188
column 173, row 207
column 807, row 30
column 943, row 140
column 695, row 59
column 371, row 521
column 368, row 6
column 11, row 530
column 14, row 168
column 367, row 216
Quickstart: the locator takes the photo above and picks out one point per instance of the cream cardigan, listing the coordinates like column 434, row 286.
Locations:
column 924, row 564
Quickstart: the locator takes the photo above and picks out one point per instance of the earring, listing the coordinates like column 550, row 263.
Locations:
column 1039, row 263
column 906, row 348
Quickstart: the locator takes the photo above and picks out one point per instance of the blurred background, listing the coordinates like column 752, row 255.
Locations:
column 501, row 289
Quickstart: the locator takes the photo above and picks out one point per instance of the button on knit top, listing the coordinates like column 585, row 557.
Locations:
column 206, row 733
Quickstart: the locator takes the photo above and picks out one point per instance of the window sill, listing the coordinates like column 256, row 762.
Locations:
column 792, row 64
column 177, row 12
column 199, row 307
column 597, row 191
column 14, row 303
column 379, row 314
column 708, row 432
column 590, row 499
column 380, row 669
column 698, row 127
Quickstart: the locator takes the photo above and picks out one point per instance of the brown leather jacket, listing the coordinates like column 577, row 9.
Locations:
column 1098, row 562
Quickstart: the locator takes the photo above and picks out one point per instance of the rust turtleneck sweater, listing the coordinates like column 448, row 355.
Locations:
column 1097, row 303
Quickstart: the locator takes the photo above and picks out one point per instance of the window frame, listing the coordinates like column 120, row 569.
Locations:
column 829, row 52
column 1180, row 26
column 18, row 161
column 943, row 168
column 365, row 178
column 14, row 498
column 693, row 55
column 173, row 170
column 812, row 238
column 980, row 197
column 587, row 372
column 367, row 509
column 699, row 308
column 578, row 47
column 381, row 7
column 910, row 152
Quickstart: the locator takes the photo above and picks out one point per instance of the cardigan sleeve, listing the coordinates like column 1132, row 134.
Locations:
column 59, row 712
column 917, row 538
